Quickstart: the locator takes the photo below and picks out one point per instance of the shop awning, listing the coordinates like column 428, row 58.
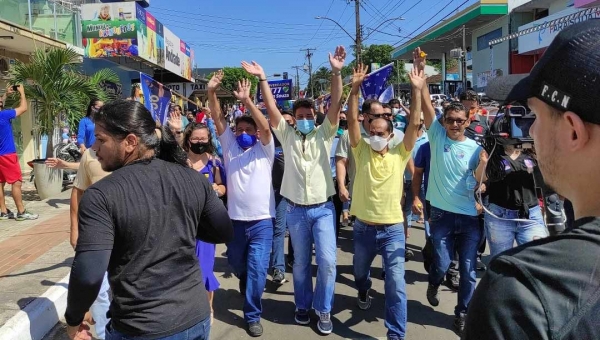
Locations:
column 20, row 40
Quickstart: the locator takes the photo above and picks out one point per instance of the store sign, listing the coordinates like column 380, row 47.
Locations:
column 484, row 77
column 127, row 29
column 281, row 89
column 542, row 38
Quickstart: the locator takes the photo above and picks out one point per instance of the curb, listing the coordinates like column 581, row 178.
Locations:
column 39, row 316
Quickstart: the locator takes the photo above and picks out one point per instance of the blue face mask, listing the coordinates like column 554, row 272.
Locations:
column 245, row 140
column 305, row 126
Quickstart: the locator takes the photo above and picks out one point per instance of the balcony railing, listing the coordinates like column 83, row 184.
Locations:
column 59, row 20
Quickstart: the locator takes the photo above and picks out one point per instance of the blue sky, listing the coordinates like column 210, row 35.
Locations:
column 224, row 32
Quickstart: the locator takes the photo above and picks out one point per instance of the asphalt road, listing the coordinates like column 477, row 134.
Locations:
column 424, row 321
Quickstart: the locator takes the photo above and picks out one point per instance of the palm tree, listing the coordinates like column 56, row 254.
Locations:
column 60, row 92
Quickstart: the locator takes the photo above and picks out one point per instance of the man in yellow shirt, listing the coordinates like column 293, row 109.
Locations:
column 376, row 202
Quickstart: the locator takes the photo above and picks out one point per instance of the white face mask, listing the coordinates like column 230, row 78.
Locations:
column 396, row 111
column 378, row 143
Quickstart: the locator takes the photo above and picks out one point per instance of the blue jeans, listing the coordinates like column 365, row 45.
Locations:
column 307, row 225
column 389, row 241
column 279, row 227
column 248, row 254
column 100, row 308
column 501, row 234
column 200, row 331
column 452, row 232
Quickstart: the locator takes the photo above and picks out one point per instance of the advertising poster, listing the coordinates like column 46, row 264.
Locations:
column 157, row 98
column 185, row 53
column 172, row 53
column 109, row 30
column 160, row 44
column 282, row 90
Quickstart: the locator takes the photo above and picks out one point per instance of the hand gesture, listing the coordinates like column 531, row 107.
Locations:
column 243, row 92
column 419, row 59
column 55, row 163
column 417, row 79
column 344, row 194
column 337, row 59
column 254, row 69
column 175, row 122
column 81, row 332
column 359, row 75
column 215, row 81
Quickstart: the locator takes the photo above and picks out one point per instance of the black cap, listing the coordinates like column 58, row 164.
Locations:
column 567, row 77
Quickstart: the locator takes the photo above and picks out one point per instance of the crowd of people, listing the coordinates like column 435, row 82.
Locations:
column 305, row 171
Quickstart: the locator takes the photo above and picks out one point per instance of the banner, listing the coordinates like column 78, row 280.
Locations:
column 157, row 98
column 185, row 53
column 109, row 30
column 146, row 34
column 282, row 90
column 172, row 57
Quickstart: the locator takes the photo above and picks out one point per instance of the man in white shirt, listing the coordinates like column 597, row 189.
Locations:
column 249, row 158
column 308, row 188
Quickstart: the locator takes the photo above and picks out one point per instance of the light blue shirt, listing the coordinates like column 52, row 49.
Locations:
column 451, row 163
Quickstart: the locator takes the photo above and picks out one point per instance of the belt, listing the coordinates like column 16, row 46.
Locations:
column 306, row 205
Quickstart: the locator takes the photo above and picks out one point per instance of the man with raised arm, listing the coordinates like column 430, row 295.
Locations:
column 457, row 163
column 249, row 158
column 308, row 187
column 377, row 193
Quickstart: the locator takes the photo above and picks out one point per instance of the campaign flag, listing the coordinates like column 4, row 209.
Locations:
column 375, row 82
column 157, row 98
column 327, row 102
column 281, row 89
column 387, row 95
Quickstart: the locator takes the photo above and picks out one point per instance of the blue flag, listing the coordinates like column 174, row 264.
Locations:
column 376, row 82
column 387, row 94
column 157, row 98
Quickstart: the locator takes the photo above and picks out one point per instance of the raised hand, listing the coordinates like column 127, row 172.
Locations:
column 338, row 59
column 215, row 81
column 243, row 92
column 417, row 78
column 254, row 69
column 175, row 122
column 359, row 74
column 419, row 59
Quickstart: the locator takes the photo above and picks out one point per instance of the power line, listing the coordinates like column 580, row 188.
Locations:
column 320, row 23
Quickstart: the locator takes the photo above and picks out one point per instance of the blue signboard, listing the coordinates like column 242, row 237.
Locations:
column 282, row 90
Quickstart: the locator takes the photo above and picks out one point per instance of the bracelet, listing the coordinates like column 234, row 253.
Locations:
column 261, row 79
column 337, row 73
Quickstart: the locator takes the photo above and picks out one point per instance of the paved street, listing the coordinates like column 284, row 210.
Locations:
column 425, row 322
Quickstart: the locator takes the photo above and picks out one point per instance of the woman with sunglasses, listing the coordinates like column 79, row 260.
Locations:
column 201, row 155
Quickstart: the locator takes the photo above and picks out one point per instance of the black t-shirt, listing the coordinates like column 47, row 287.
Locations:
column 149, row 215
column 517, row 190
column 545, row 289
column 278, row 166
column 478, row 128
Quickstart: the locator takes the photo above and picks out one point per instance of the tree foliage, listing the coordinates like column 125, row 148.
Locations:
column 382, row 54
column 231, row 76
column 60, row 91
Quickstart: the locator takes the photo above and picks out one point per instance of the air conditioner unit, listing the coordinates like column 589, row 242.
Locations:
column 4, row 66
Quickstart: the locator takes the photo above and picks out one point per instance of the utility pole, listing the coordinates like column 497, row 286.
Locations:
column 297, row 81
column 310, row 74
column 358, row 39
column 464, row 58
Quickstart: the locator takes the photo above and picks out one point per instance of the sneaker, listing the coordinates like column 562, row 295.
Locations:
column 363, row 300
column 4, row 216
column 408, row 255
column 432, row 295
column 11, row 215
column 255, row 329
column 302, row 317
column 480, row 265
column 26, row 215
column 278, row 277
column 459, row 323
column 243, row 286
column 324, row 324
column 453, row 281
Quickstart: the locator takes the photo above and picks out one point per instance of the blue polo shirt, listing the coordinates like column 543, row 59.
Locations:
column 451, row 163
column 423, row 160
column 7, row 141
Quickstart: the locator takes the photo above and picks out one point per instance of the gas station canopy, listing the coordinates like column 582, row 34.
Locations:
column 448, row 35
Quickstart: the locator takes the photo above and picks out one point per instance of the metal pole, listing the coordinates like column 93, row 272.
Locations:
column 29, row 13
column 464, row 58
column 358, row 39
column 55, row 23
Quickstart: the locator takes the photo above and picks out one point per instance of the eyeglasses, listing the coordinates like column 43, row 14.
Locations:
column 451, row 121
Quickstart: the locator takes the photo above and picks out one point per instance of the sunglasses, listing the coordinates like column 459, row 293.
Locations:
column 451, row 121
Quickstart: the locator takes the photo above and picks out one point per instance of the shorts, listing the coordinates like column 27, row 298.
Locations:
column 10, row 170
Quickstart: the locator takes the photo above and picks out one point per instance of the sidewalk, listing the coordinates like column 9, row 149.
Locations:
column 34, row 256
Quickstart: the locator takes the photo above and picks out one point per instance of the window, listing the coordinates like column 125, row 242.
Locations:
column 483, row 40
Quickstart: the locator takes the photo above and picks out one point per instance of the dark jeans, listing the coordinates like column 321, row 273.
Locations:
column 279, row 227
column 249, row 254
column 450, row 232
column 200, row 331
